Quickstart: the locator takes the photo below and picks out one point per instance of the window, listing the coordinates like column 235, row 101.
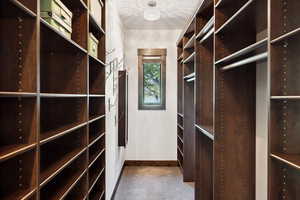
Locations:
column 152, row 79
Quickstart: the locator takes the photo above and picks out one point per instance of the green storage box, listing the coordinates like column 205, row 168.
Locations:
column 58, row 8
column 57, row 23
column 93, row 45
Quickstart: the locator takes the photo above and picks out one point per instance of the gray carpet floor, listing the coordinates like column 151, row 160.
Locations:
column 153, row 183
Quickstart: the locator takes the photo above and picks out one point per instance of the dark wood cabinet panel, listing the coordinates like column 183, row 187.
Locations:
column 122, row 109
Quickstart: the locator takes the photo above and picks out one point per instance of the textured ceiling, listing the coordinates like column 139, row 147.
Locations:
column 174, row 13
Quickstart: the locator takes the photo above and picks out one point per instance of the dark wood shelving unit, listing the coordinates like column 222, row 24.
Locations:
column 52, row 105
column 284, row 160
column 232, row 40
column 185, row 116
column 204, row 109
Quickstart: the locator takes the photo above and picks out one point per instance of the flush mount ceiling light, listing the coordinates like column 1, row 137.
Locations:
column 152, row 13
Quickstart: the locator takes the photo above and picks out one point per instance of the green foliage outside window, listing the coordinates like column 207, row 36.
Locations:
column 152, row 83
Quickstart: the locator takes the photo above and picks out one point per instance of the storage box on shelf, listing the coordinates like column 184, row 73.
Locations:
column 99, row 37
column 58, row 16
column 78, row 26
column 93, row 45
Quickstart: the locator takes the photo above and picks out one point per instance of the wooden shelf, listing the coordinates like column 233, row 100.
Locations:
column 189, row 59
column 96, row 190
column 96, row 129
column 206, row 131
column 52, row 135
column 10, row 190
column 96, row 118
column 14, row 150
column 288, row 159
column 54, row 159
column 190, row 43
column 236, row 17
column 73, row 185
column 96, row 180
column 95, row 24
column 286, row 36
column 97, row 60
column 97, row 107
column 58, row 115
column 97, row 78
column 96, row 149
column 50, row 32
column 53, row 95
column 30, row 11
column 51, row 171
column 17, row 94
column 78, row 191
column 60, row 185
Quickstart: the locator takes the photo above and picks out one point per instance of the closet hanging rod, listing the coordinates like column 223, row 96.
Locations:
column 206, row 28
column 244, row 51
column 245, row 61
column 210, row 33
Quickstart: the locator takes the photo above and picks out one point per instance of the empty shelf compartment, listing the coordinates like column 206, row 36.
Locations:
column 96, row 169
column 79, row 191
column 61, row 114
column 18, row 128
column 97, row 77
column 18, row 176
column 98, row 190
column 284, row 18
column 59, row 186
column 96, row 149
column 97, row 107
column 59, row 153
column 18, row 52
column 284, row 68
column 96, row 129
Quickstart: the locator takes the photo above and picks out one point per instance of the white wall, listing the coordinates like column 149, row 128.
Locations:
column 152, row 134
column 115, row 155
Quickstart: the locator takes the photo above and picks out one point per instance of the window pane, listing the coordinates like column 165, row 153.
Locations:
column 152, row 83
